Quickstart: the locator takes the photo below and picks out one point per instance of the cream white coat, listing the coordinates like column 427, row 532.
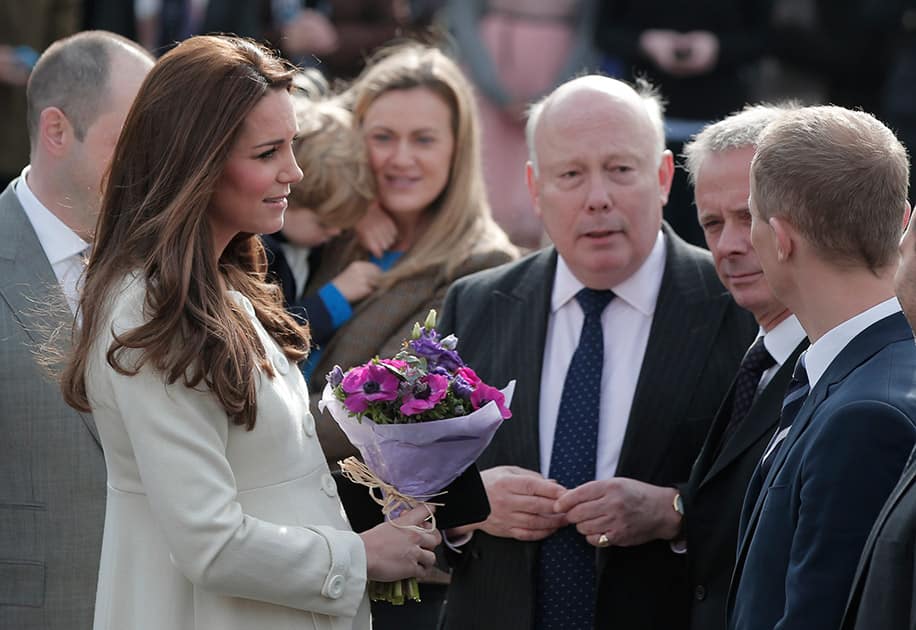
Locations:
column 210, row 526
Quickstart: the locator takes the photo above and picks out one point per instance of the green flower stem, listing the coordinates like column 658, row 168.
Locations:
column 395, row 592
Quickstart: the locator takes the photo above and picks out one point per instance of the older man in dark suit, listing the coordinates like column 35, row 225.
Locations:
column 52, row 473
column 623, row 343
column 828, row 202
column 718, row 161
column 882, row 593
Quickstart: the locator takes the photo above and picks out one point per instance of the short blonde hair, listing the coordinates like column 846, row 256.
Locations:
column 839, row 177
column 337, row 183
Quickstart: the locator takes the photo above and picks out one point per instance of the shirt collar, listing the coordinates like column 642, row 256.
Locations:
column 822, row 353
column 640, row 290
column 784, row 338
column 57, row 240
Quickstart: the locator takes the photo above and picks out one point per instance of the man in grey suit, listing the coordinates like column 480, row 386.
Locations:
column 719, row 164
column 882, row 594
column 52, row 473
column 570, row 545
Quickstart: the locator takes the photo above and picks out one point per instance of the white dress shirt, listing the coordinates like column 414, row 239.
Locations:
column 626, row 323
column 62, row 247
column 822, row 353
column 780, row 343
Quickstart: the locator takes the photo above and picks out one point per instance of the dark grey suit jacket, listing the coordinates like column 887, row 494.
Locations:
column 715, row 492
column 697, row 339
column 883, row 589
column 52, row 472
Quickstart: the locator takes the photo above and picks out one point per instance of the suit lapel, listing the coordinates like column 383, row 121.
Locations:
column 906, row 481
column 707, row 460
column 524, row 329
column 865, row 345
column 28, row 284
column 683, row 328
column 762, row 417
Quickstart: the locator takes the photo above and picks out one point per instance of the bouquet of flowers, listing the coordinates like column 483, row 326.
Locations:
column 419, row 420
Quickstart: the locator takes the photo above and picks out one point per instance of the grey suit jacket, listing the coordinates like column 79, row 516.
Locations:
column 696, row 342
column 882, row 590
column 52, row 473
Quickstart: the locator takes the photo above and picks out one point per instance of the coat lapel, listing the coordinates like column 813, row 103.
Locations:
column 686, row 320
column 522, row 322
column 906, row 482
column 29, row 287
column 760, row 419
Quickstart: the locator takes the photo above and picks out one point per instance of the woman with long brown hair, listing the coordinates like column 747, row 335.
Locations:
column 221, row 512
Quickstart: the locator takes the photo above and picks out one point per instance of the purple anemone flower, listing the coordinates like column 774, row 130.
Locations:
column 368, row 383
column 461, row 387
column 427, row 346
column 426, row 394
column 484, row 394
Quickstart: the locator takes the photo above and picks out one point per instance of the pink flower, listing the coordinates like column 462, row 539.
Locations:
column 426, row 394
column 368, row 383
column 397, row 364
column 484, row 394
column 469, row 375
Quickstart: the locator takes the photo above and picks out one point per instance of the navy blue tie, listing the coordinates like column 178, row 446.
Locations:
column 757, row 361
column 792, row 403
column 566, row 564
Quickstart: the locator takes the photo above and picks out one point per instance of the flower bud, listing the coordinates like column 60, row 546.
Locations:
column 335, row 376
column 430, row 322
column 449, row 343
column 415, row 333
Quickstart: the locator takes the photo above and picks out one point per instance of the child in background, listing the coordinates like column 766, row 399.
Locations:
column 333, row 196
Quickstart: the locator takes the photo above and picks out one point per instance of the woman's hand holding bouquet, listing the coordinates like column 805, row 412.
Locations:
column 419, row 420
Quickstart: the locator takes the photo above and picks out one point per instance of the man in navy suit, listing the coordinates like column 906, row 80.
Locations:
column 882, row 591
column 828, row 203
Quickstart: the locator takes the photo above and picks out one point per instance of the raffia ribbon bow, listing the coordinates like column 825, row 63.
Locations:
column 386, row 495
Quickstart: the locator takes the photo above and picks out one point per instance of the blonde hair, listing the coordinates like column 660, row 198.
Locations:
column 460, row 219
column 337, row 184
column 840, row 177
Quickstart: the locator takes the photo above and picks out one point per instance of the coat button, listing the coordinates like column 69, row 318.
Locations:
column 336, row 587
column 308, row 424
column 329, row 485
column 281, row 364
column 700, row 592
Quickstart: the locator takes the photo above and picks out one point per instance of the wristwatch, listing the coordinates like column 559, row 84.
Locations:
column 678, row 504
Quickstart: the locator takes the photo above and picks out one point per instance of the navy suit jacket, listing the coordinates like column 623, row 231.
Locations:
column 801, row 539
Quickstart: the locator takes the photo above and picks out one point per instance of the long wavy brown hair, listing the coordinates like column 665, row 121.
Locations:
column 154, row 220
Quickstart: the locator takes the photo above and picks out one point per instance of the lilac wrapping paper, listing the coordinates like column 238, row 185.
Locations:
column 422, row 458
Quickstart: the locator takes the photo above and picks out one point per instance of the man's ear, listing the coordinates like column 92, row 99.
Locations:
column 665, row 175
column 907, row 213
column 55, row 133
column 531, row 180
column 786, row 237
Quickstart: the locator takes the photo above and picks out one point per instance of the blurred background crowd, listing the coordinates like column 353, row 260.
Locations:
column 708, row 57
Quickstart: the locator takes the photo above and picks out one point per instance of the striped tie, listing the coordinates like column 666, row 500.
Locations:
column 791, row 404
